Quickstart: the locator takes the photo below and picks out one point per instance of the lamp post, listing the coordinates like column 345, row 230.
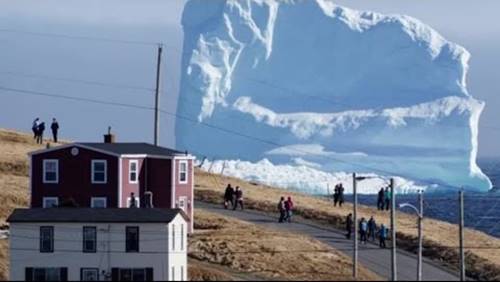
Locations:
column 420, row 213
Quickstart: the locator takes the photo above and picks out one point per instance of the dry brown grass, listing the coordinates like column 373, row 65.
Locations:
column 199, row 271
column 440, row 238
column 268, row 253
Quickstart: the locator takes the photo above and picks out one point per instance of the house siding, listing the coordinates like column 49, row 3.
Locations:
column 136, row 188
column 74, row 178
column 184, row 189
column 159, row 182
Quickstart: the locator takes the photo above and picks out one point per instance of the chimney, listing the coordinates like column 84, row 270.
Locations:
column 109, row 138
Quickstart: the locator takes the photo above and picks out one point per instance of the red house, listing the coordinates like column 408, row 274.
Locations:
column 106, row 174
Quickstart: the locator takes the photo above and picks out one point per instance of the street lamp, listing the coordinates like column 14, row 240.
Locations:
column 420, row 213
column 355, row 180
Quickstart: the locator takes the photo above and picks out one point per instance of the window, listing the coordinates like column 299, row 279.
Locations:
column 50, row 171
column 182, row 273
column 132, row 171
column 173, row 237
column 89, row 239
column 173, row 273
column 46, row 239
column 132, row 274
column 50, row 202
column 99, row 171
column 183, row 172
column 98, row 202
column 89, row 274
column 182, row 203
column 132, row 239
column 46, row 274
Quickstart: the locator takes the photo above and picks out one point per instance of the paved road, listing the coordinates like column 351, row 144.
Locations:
column 376, row 259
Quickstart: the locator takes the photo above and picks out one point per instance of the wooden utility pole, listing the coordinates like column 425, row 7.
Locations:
column 355, row 222
column 394, row 268
column 461, row 235
column 157, row 97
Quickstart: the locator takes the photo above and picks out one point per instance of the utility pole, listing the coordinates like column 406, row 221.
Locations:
column 393, row 233
column 157, row 97
column 461, row 230
column 355, row 222
column 420, row 239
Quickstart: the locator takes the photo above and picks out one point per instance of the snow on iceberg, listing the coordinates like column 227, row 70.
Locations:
column 316, row 85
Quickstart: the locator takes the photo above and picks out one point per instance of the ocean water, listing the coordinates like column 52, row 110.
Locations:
column 481, row 212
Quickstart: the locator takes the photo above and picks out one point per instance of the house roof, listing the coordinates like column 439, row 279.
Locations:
column 133, row 149
column 120, row 149
column 95, row 215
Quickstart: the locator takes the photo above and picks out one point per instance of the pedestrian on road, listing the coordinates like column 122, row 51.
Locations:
column 34, row 127
column 388, row 198
column 40, row 130
column 282, row 210
column 380, row 199
column 363, row 230
column 382, row 236
column 288, row 209
column 348, row 226
column 336, row 195
column 372, row 228
column 238, row 194
column 55, row 127
column 341, row 195
column 228, row 196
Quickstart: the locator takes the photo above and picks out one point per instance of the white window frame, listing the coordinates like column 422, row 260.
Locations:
column 98, row 199
column 105, row 162
column 181, row 172
column 136, row 162
column 44, row 171
column 56, row 199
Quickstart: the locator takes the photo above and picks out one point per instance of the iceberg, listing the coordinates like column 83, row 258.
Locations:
column 275, row 86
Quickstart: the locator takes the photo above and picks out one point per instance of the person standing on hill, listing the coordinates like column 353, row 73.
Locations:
column 348, row 226
column 55, row 127
column 382, row 236
column 282, row 210
column 336, row 195
column 34, row 128
column 380, row 199
column 288, row 209
column 363, row 230
column 388, row 197
column 372, row 226
column 228, row 196
column 238, row 194
column 341, row 195
column 40, row 130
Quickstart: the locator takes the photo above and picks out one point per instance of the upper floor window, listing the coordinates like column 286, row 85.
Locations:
column 89, row 239
column 46, row 239
column 50, row 171
column 133, row 175
column 132, row 239
column 99, row 171
column 50, row 202
column 183, row 172
column 98, row 202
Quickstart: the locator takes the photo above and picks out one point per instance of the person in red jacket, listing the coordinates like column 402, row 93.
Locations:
column 288, row 209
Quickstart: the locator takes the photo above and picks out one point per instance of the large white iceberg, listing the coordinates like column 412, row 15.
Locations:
column 310, row 83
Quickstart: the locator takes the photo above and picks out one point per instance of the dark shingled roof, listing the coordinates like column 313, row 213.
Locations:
column 95, row 215
column 133, row 149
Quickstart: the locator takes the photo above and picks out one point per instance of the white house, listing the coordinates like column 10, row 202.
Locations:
column 90, row 244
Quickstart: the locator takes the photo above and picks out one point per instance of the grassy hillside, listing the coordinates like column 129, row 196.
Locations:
column 219, row 250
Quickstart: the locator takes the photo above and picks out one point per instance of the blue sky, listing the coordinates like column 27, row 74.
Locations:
column 25, row 56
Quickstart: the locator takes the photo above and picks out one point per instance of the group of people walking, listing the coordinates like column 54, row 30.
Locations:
column 384, row 199
column 367, row 230
column 285, row 208
column 233, row 196
column 338, row 195
column 38, row 128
